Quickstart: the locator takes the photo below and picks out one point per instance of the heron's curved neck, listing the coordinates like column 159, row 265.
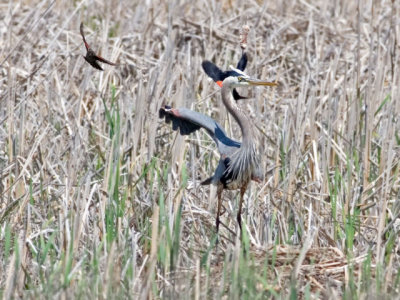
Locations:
column 239, row 116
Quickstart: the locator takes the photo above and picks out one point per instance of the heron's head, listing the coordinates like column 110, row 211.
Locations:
column 238, row 78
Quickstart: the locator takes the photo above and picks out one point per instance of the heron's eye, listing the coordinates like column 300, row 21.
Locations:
column 240, row 78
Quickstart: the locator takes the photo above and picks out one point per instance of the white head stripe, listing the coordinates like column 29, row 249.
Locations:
column 238, row 71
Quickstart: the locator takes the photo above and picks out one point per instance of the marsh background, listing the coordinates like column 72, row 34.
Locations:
column 99, row 198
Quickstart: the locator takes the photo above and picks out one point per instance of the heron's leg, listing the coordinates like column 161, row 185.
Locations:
column 239, row 214
column 219, row 193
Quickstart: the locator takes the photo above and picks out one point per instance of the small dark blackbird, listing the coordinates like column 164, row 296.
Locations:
column 218, row 75
column 91, row 57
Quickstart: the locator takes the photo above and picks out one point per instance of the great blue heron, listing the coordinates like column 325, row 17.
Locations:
column 239, row 162
column 91, row 57
column 218, row 75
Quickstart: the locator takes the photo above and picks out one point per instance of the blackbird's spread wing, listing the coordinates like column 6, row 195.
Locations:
column 91, row 57
column 242, row 62
column 104, row 60
column 83, row 37
column 96, row 65
column 213, row 71
column 236, row 95
column 93, row 63
column 218, row 75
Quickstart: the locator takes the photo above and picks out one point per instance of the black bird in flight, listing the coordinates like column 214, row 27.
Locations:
column 218, row 75
column 91, row 57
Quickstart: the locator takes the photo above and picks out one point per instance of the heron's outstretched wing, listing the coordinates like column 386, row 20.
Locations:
column 188, row 121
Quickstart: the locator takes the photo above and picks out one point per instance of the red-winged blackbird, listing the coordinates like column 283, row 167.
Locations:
column 91, row 57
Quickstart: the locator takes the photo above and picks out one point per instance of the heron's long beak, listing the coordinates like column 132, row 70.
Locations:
column 252, row 81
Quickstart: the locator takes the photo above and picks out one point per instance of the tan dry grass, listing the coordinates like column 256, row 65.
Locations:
column 335, row 68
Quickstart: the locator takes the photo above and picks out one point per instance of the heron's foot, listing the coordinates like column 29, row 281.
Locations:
column 220, row 235
column 217, row 221
column 227, row 228
column 223, row 211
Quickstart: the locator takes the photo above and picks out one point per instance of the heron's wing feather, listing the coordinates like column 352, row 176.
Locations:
column 208, row 181
column 178, row 123
column 188, row 121
column 218, row 174
column 242, row 62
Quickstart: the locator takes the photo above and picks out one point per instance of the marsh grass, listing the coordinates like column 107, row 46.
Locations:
column 101, row 199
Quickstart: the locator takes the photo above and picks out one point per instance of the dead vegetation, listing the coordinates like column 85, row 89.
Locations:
column 99, row 198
